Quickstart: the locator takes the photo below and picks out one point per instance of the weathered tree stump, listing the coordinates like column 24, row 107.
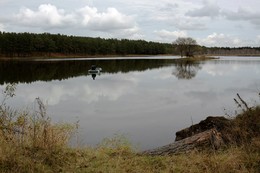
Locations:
column 207, row 139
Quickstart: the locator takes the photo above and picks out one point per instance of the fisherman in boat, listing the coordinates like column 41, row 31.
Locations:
column 94, row 71
column 93, row 67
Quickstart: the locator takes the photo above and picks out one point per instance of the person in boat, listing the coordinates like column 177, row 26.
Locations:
column 93, row 67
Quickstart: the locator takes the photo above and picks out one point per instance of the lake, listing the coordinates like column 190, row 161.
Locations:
column 147, row 99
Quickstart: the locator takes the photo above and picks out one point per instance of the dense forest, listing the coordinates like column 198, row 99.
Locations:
column 28, row 44
column 53, row 45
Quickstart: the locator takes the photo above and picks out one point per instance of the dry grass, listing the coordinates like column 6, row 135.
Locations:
column 231, row 160
column 29, row 142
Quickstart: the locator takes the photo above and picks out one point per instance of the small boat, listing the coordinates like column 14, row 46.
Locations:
column 98, row 70
column 94, row 70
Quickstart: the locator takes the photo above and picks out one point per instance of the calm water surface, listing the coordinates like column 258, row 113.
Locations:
column 146, row 99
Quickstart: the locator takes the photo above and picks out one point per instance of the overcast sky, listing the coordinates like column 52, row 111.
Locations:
column 210, row 22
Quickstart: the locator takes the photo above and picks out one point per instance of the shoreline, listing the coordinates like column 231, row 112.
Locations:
column 55, row 56
column 195, row 58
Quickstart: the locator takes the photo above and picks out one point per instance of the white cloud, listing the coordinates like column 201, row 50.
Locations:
column 112, row 19
column 209, row 9
column 221, row 39
column 47, row 16
column 170, row 35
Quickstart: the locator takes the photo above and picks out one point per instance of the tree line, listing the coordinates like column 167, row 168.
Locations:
column 45, row 44
column 224, row 51
column 188, row 47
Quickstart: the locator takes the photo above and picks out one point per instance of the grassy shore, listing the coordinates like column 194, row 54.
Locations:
column 30, row 142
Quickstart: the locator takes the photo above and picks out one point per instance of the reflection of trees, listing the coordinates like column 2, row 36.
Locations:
column 186, row 70
column 30, row 71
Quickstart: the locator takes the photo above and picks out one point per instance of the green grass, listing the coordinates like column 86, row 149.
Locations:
column 30, row 142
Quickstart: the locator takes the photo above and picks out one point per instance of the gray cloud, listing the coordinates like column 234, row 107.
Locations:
column 209, row 9
column 188, row 23
column 243, row 14
column 2, row 27
column 169, row 6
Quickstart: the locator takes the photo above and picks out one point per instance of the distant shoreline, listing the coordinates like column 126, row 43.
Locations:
column 78, row 56
column 54, row 56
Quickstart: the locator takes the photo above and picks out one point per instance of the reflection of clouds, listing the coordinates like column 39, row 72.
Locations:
column 216, row 70
column 203, row 95
column 257, row 70
column 111, row 90
column 88, row 91
column 164, row 73
column 52, row 93
column 150, row 105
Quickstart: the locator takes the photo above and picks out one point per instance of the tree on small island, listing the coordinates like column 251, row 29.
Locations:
column 186, row 46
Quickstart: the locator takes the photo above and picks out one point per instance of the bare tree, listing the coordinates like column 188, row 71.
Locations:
column 186, row 46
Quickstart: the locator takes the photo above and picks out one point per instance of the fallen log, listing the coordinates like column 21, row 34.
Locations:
column 211, row 139
column 220, row 123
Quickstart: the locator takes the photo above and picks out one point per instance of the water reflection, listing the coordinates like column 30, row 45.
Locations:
column 186, row 70
column 140, row 98
column 30, row 71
